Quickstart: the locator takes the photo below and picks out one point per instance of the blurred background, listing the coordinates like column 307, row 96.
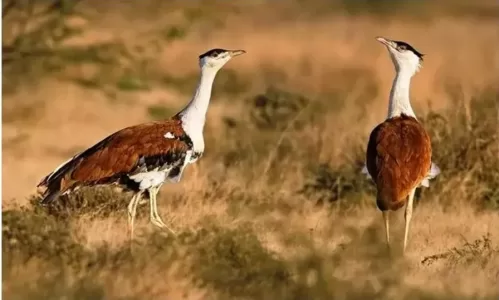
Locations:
column 277, row 207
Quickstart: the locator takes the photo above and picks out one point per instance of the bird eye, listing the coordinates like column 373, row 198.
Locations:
column 402, row 47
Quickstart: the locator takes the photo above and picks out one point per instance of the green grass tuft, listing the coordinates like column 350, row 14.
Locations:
column 130, row 82
column 159, row 112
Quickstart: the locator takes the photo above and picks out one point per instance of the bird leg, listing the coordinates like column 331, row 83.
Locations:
column 154, row 215
column 408, row 215
column 152, row 193
column 387, row 227
column 132, row 211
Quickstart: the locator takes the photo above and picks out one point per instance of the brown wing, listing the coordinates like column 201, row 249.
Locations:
column 124, row 152
column 398, row 158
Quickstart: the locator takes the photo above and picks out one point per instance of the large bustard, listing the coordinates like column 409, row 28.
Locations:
column 398, row 157
column 145, row 156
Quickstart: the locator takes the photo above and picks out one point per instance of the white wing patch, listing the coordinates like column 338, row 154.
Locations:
column 156, row 177
column 434, row 171
column 425, row 183
column 169, row 135
column 365, row 172
column 149, row 179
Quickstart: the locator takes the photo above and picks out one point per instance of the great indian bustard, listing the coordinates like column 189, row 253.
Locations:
column 145, row 156
column 398, row 157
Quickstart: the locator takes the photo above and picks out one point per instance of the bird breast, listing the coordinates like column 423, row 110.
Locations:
column 195, row 132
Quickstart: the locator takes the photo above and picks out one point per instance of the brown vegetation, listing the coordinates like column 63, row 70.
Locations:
column 279, row 208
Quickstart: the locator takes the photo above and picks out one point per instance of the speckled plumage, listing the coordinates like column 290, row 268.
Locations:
column 145, row 156
column 398, row 159
column 136, row 149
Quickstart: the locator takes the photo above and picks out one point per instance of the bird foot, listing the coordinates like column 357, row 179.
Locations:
column 159, row 223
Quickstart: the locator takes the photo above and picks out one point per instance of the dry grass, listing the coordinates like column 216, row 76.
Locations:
column 277, row 207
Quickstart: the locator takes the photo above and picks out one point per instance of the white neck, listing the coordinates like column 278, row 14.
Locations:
column 194, row 114
column 399, row 95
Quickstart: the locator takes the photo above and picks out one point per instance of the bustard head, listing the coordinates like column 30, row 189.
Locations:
column 404, row 56
column 217, row 58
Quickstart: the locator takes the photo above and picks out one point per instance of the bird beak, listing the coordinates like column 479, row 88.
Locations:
column 233, row 53
column 386, row 42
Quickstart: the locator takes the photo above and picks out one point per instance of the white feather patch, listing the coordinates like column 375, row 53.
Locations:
column 365, row 172
column 434, row 171
column 149, row 179
column 169, row 135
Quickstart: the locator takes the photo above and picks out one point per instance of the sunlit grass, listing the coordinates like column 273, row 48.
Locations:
column 277, row 207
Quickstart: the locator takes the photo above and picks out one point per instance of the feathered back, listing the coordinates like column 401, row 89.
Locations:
column 138, row 148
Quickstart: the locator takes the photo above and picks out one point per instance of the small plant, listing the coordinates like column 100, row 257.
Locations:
column 275, row 108
column 229, row 82
column 159, row 112
column 480, row 250
column 174, row 33
column 130, row 82
column 95, row 202
column 234, row 261
column 33, row 233
column 89, row 83
column 330, row 185
column 468, row 143
column 183, row 84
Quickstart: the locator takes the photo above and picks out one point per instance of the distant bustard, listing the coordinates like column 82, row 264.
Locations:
column 143, row 157
column 398, row 156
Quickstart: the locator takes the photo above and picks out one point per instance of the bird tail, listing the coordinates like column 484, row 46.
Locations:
column 56, row 183
column 388, row 196
column 389, row 203
column 49, row 196
column 52, row 186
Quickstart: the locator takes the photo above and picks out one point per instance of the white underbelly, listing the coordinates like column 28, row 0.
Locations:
column 156, row 178
column 149, row 179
